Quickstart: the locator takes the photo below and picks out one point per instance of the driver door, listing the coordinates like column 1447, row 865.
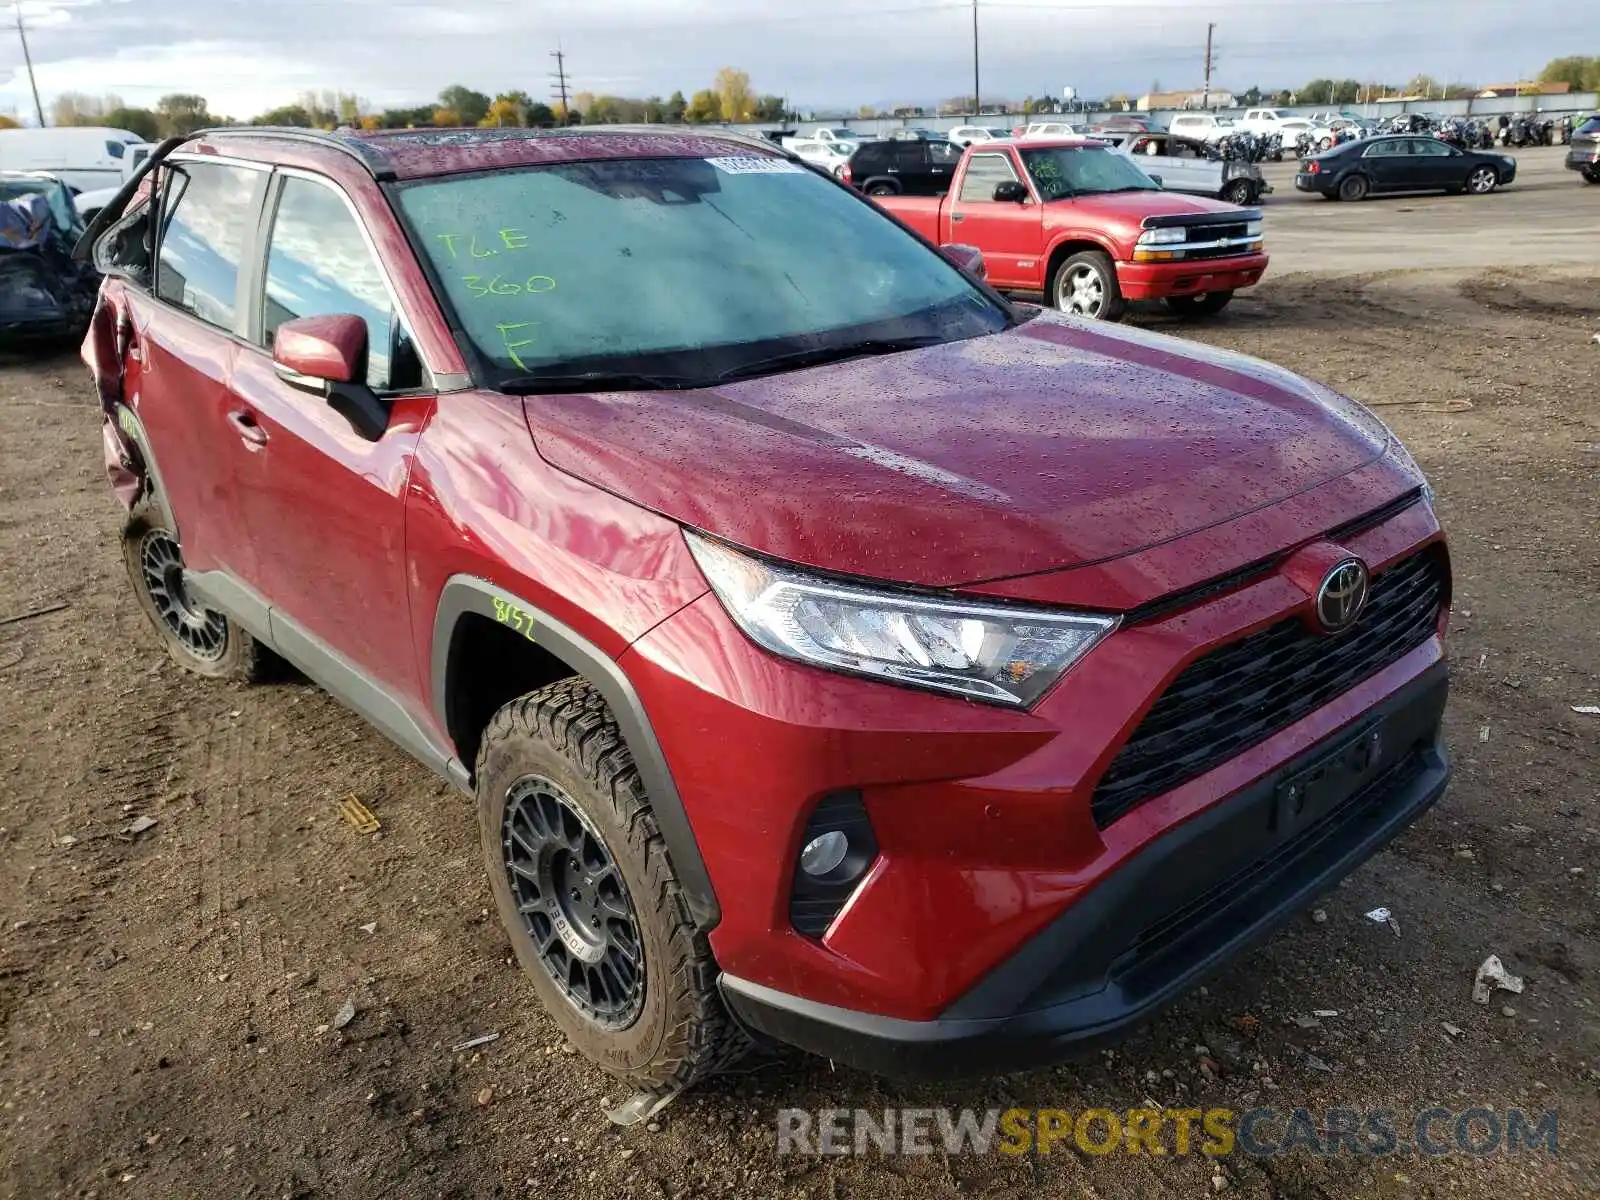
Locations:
column 1010, row 234
column 325, row 507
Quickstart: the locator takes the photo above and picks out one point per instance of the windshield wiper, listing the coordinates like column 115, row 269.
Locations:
column 591, row 381
column 817, row 355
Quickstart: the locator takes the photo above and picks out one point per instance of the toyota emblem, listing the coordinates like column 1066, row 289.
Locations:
column 1342, row 596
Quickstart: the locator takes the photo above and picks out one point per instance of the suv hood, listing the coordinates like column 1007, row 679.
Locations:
column 1053, row 444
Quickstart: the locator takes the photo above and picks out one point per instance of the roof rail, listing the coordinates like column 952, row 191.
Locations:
column 713, row 131
column 368, row 155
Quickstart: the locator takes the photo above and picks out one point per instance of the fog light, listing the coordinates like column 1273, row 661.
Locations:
column 823, row 855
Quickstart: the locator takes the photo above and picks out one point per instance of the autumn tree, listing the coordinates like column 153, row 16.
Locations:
column 468, row 106
column 703, row 107
column 8, row 122
column 75, row 108
column 734, row 97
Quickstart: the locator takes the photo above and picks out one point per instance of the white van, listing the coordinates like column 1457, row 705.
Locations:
column 85, row 158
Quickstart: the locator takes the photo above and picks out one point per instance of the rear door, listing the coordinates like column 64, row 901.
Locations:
column 908, row 163
column 1009, row 234
column 182, row 347
column 1387, row 162
column 324, row 505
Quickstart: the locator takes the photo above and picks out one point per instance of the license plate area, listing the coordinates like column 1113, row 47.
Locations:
column 1318, row 789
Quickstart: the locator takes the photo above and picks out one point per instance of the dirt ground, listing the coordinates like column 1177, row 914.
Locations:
column 167, row 998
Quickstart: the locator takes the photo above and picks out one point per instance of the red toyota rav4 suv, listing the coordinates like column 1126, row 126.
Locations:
column 836, row 651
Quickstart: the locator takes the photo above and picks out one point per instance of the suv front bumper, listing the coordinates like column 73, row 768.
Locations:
column 1177, row 911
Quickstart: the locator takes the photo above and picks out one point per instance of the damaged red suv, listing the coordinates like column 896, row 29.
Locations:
column 837, row 651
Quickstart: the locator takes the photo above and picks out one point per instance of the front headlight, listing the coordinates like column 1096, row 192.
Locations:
column 983, row 651
column 1164, row 236
column 1253, row 229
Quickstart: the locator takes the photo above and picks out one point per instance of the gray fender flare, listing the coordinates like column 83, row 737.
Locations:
column 468, row 594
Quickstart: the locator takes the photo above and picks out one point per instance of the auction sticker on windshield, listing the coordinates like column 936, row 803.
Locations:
column 756, row 165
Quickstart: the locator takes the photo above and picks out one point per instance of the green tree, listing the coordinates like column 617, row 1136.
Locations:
column 292, row 115
column 734, row 96
column 1251, row 98
column 541, row 115
column 469, row 107
column 136, row 120
column 183, row 113
column 1580, row 72
column 406, row 118
column 770, row 108
column 1423, row 85
column 703, row 107
column 676, row 106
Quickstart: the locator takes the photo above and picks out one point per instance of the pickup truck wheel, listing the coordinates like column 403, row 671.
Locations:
column 1206, row 304
column 1240, row 192
column 1354, row 187
column 1086, row 285
column 198, row 638
column 589, row 897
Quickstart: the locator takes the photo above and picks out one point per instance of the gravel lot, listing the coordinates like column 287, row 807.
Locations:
column 166, row 1000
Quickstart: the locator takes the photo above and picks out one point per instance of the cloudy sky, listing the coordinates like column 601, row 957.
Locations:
column 248, row 55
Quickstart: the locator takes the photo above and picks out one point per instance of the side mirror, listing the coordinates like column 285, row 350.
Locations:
column 968, row 258
column 1011, row 191
column 327, row 356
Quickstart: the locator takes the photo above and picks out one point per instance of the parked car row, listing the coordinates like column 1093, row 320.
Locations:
column 46, row 297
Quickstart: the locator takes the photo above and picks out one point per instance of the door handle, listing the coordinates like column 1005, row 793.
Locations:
column 247, row 427
column 957, row 218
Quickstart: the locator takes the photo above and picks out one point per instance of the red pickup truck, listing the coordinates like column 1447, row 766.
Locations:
column 1084, row 225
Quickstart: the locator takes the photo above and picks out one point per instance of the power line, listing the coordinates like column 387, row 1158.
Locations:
column 560, row 77
column 22, row 33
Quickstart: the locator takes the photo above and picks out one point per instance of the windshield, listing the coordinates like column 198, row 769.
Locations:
column 686, row 269
column 843, row 134
column 1591, row 126
column 1062, row 172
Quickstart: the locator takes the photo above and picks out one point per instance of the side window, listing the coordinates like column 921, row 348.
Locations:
column 910, row 156
column 318, row 265
column 115, row 149
column 944, row 154
column 984, row 172
column 209, row 218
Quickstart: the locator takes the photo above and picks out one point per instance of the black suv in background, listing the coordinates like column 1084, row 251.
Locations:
column 1583, row 152
column 903, row 167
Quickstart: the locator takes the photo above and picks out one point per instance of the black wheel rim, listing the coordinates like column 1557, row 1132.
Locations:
column 201, row 632
column 573, row 903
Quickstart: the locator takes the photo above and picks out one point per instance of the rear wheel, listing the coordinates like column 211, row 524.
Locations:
column 1085, row 285
column 1354, row 187
column 882, row 189
column 198, row 638
column 589, row 897
column 1206, row 304
column 1483, row 180
column 1591, row 176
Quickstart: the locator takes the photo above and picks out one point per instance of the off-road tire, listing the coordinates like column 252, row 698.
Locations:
column 564, row 733
column 1206, row 304
column 238, row 656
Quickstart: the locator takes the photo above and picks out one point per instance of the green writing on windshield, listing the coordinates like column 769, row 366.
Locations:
column 512, row 343
column 477, row 287
column 502, row 241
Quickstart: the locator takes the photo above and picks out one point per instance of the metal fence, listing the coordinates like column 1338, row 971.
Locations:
column 1554, row 106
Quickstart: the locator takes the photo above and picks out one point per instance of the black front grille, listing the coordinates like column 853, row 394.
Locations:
column 1240, row 695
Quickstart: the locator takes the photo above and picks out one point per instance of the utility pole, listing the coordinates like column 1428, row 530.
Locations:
column 977, row 93
column 22, row 33
column 1205, row 98
column 560, row 76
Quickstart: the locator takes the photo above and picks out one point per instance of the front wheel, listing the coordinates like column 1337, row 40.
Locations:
column 1206, row 304
column 199, row 639
column 1354, row 188
column 1591, row 176
column 1483, row 180
column 1085, row 285
column 589, row 896
column 882, row 189
column 1240, row 192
